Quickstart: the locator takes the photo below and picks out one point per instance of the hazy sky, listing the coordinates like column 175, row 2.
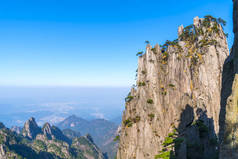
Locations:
column 52, row 104
column 89, row 43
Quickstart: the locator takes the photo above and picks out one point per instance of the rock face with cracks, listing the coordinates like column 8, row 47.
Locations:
column 229, row 102
column 174, row 110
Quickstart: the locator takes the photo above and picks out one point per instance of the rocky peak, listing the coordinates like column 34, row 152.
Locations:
column 13, row 145
column 47, row 131
column 31, row 129
column 89, row 137
column 52, row 132
column 2, row 151
column 16, row 129
column 177, row 97
column 180, row 30
column 90, row 148
column 2, row 125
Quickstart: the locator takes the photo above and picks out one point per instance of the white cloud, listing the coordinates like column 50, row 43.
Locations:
column 53, row 119
column 98, row 115
column 55, row 107
column 19, row 121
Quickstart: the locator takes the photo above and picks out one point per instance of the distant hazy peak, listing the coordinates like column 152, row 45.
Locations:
column 2, row 125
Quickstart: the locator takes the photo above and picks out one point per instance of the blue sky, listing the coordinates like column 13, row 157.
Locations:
column 89, row 43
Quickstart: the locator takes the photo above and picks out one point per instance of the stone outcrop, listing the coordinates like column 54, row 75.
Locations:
column 174, row 109
column 31, row 129
column 229, row 102
column 2, row 125
column 16, row 129
column 90, row 148
column 53, row 133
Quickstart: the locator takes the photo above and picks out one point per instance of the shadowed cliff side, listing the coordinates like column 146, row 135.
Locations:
column 200, row 139
column 193, row 139
column 229, row 100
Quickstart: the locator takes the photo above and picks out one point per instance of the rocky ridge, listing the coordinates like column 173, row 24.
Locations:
column 47, row 142
column 175, row 108
column 102, row 131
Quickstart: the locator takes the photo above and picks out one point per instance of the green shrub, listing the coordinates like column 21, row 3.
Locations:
column 143, row 72
column 141, row 84
column 171, row 134
column 178, row 141
column 221, row 21
column 171, row 85
column 139, row 53
column 128, row 123
column 168, row 141
column 202, row 128
column 136, row 119
column 166, row 155
column 150, row 101
column 164, row 93
column 56, row 150
column 154, row 50
column 227, row 35
column 117, row 138
column 129, row 98
column 147, row 42
column 188, row 33
column 40, row 145
column 151, row 116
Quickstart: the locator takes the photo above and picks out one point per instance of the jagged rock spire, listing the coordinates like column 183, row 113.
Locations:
column 47, row 130
column 31, row 129
column 196, row 21
column 52, row 132
column 2, row 125
column 180, row 30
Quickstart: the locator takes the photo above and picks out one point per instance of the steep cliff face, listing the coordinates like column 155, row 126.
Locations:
column 174, row 110
column 229, row 102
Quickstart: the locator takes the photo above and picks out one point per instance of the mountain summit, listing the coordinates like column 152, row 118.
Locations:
column 102, row 131
column 31, row 129
column 175, row 107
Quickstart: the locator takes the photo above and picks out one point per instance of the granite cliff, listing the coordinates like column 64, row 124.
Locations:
column 174, row 110
column 229, row 102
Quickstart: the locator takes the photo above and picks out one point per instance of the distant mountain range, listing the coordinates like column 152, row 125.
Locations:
column 102, row 131
column 48, row 142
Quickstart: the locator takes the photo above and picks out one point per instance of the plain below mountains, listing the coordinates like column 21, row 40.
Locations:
column 102, row 131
